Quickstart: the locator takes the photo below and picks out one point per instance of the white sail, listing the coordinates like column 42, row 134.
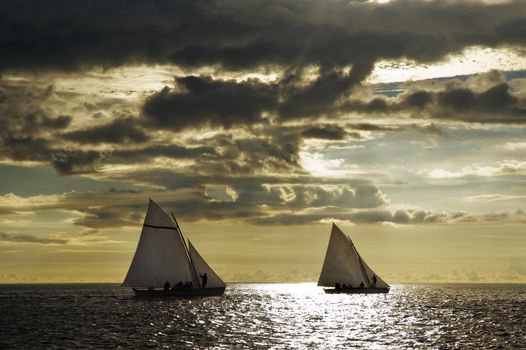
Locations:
column 380, row 283
column 161, row 255
column 214, row 281
column 344, row 265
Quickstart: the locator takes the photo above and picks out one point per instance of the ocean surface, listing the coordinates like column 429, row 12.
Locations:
column 264, row 316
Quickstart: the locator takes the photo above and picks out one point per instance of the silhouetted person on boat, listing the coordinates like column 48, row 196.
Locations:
column 337, row 286
column 166, row 285
column 374, row 280
column 179, row 285
column 362, row 285
column 205, row 280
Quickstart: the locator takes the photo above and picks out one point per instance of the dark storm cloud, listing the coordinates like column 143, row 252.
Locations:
column 266, row 151
column 318, row 97
column 109, row 216
column 18, row 119
column 119, row 131
column 64, row 161
column 456, row 101
column 342, row 39
column 431, row 129
column 204, row 101
column 513, row 30
column 23, row 238
column 459, row 101
column 28, row 133
column 169, row 151
column 372, row 127
column 24, row 137
column 326, row 132
column 3, row 95
column 418, row 99
column 68, row 162
column 376, row 105
column 260, row 160
column 64, row 35
column 496, row 98
column 493, row 105
column 228, row 103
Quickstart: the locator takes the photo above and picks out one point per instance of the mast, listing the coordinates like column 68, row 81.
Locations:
column 362, row 268
column 160, row 254
column 186, row 250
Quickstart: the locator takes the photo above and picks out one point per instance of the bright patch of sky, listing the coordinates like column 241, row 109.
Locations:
column 472, row 61
column 434, row 172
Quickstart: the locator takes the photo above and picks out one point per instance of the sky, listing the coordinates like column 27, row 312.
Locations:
column 258, row 124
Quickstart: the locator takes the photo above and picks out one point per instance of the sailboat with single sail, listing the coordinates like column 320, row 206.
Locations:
column 164, row 265
column 345, row 271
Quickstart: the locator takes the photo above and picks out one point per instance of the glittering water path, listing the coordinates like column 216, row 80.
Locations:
column 252, row 316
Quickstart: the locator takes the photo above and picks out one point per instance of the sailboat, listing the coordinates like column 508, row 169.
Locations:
column 164, row 265
column 345, row 271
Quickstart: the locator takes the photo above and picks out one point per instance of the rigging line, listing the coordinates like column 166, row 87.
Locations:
column 187, row 251
column 361, row 263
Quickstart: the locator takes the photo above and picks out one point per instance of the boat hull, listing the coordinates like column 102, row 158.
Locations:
column 356, row 291
column 179, row 293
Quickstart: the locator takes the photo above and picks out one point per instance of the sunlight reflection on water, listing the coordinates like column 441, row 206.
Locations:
column 278, row 316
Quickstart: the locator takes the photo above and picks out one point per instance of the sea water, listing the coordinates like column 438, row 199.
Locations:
column 265, row 316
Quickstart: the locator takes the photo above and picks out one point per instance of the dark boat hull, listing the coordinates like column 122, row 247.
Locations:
column 179, row 293
column 356, row 291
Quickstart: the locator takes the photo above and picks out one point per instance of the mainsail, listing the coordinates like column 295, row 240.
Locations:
column 161, row 254
column 202, row 267
column 343, row 264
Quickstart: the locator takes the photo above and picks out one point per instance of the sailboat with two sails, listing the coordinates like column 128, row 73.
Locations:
column 165, row 265
column 345, row 271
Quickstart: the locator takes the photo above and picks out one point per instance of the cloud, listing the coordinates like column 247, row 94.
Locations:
column 68, row 162
column 310, row 196
column 494, row 197
column 457, row 101
column 258, row 88
column 496, row 104
column 203, row 101
column 326, row 132
column 152, row 151
column 515, row 146
column 253, row 203
column 384, row 215
column 118, row 131
column 319, row 97
column 320, row 53
column 506, row 167
column 23, row 238
column 106, row 216
column 239, row 34
column 29, row 131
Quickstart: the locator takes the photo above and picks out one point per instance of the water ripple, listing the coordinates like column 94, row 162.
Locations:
column 263, row 316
